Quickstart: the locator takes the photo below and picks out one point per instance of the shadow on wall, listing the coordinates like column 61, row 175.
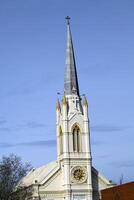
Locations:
column 95, row 184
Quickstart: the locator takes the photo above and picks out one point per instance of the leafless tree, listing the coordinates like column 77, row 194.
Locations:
column 12, row 169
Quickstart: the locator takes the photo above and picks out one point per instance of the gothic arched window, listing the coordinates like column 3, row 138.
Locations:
column 76, row 139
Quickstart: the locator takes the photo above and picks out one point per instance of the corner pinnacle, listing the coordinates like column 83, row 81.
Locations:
column 58, row 105
column 85, row 102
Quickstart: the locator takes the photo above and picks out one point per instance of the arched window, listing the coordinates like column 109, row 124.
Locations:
column 76, row 139
column 60, row 140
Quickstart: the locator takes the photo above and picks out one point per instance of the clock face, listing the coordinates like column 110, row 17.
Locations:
column 79, row 174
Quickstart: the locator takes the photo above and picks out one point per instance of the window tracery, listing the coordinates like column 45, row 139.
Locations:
column 76, row 139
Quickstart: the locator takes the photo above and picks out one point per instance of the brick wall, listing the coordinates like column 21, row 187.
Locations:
column 120, row 192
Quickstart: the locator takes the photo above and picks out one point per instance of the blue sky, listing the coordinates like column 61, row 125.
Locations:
column 32, row 57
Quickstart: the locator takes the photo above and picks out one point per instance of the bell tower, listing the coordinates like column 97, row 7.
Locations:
column 73, row 133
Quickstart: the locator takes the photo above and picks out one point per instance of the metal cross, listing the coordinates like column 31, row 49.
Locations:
column 68, row 18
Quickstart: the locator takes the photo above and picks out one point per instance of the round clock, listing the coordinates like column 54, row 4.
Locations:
column 79, row 174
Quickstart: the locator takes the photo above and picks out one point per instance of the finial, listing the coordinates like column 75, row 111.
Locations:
column 64, row 101
column 85, row 102
column 58, row 105
column 68, row 19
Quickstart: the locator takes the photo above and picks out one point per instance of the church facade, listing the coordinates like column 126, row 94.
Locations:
column 71, row 176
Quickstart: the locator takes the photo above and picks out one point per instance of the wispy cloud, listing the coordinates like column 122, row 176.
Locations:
column 28, row 88
column 7, row 129
column 106, row 128
column 25, row 89
column 96, row 142
column 44, row 143
column 26, row 125
column 47, row 143
column 2, row 121
column 32, row 124
column 5, row 145
column 123, row 163
column 102, row 156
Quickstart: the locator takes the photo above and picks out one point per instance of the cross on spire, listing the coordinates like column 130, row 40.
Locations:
column 68, row 19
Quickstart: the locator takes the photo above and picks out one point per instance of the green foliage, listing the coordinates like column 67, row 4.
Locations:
column 12, row 169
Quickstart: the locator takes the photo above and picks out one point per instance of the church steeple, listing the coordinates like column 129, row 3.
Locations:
column 71, row 81
column 73, row 134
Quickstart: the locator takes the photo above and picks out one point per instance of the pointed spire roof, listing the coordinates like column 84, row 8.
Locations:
column 70, row 81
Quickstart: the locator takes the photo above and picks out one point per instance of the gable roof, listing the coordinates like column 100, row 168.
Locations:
column 39, row 175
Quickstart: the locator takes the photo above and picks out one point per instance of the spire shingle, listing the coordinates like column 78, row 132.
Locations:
column 70, row 81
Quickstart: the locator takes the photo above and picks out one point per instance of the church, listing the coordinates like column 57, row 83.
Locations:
column 71, row 176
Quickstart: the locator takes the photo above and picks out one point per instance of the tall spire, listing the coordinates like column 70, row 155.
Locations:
column 71, row 81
